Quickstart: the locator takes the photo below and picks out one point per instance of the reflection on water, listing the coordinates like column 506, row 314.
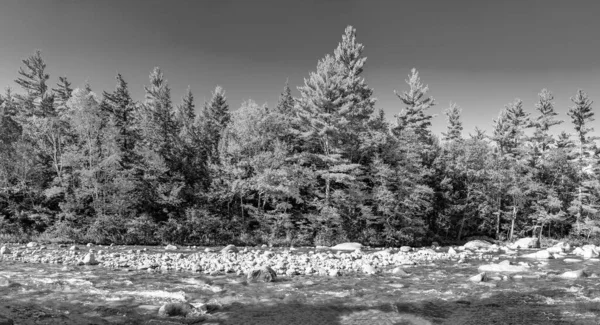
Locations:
column 436, row 293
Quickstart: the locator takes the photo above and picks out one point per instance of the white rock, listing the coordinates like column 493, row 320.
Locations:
column 540, row 255
column 170, row 247
column 229, row 249
column 89, row 259
column 527, row 242
column 572, row 260
column 451, row 251
column 4, row 250
column 476, row 244
column 502, row 267
column 405, row 249
column 347, row 246
column 399, row 271
column 573, row 274
column 32, row 244
column 368, row 269
column 478, row 278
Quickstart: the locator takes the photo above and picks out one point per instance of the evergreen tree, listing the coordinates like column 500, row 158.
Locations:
column 32, row 79
column 455, row 128
column 285, row 104
column 416, row 101
column 581, row 116
column 62, row 93
column 215, row 118
column 121, row 111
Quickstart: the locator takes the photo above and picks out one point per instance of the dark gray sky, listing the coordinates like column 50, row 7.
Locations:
column 480, row 54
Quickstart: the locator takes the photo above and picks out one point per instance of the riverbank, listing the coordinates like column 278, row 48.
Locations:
column 442, row 285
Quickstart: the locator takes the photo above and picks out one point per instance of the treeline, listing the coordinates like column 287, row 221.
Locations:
column 322, row 168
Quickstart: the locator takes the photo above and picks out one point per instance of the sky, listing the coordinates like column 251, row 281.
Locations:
column 480, row 54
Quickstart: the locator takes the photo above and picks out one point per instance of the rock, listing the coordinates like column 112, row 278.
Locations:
column 4, row 250
column 89, row 259
column 578, row 274
column 478, row 278
column 451, row 251
column 527, row 242
column 32, row 244
column 540, row 255
column 435, row 244
column 208, row 250
column 405, row 249
column 476, row 244
column 89, row 245
column 170, row 247
column 229, row 249
column 572, row 260
column 74, row 248
column 5, row 282
column 385, row 252
column 368, row 269
column 175, row 309
column 589, row 251
column 347, row 246
column 264, row 274
column 503, row 267
column 334, row 272
column 399, row 271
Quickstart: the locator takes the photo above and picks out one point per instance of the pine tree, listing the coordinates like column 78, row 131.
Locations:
column 455, row 128
column 335, row 107
column 121, row 110
column 416, row 102
column 33, row 78
column 285, row 104
column 215, row 118
column 159, row 128
column 581, row 116
column 62, row 93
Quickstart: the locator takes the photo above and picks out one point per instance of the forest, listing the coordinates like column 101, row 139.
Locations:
column 325, row 167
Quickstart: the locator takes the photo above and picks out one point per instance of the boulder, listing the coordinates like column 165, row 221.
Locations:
column 74, row 248
column 589, row 251
column 477, row 244
column 4, row 250
column 263, row 274
column 527, row 242
column 478, row 278
column 32, row 244
column 90, row 259
column 540, row 255
column 503, row 266
column 5, row 282
column 405, row 249
column 577, row 274
column 229, row 249
column 175, row 309
column 451, row 251
column 170, row 247
column 368, row 269
column 572, row 260
column 347, row 246
column 399, row 271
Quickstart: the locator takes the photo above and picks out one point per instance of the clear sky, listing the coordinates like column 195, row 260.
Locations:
column 479, row 54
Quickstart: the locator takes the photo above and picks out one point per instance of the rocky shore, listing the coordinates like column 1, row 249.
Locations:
column 488, row 264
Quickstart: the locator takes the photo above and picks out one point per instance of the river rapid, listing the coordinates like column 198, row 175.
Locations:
column 430, row 289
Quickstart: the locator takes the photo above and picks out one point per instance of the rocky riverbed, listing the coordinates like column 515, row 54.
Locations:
column 478, row 283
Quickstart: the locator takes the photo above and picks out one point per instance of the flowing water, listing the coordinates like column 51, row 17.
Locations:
column 434, row 293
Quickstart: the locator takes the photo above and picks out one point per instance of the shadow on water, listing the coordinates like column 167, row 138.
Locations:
column 537, row 307
column 541, row 306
